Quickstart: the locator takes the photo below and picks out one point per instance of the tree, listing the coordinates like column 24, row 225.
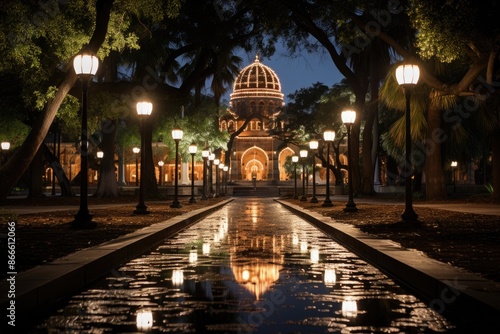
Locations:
column 164, row 31
column 19, row 162
column 448, row 31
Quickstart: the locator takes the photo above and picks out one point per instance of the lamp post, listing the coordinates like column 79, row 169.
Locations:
column 295, row 159
column 328, row 136
column 348, row 118
column 216, row 164
column 192, row 150
column 160, row 175
column 226, row 173
column 85, row 67
column 99, row 155
column 407, row 76
column 177, row 136
column 144, row 109
column 313, row 145
column 303, row 156
column 5, row 147
column 204, row 154
column 136, row 151
column 211, row 158
column 454, row 165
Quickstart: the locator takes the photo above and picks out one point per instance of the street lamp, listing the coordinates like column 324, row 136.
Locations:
column 328, row 136
column 160, row 176
column 177, row 136
column 226, row 170
column 144, row 109
column 99, row 155
column 5, row 147
column 204, row 154
column 295, row 159
column 216, row 164
column 348, row 118
column 192, row 150
column 303, row 156
column 85, row 67
column 454, row 165
column 407, row 76
column 136, row 151
column 313, row 145
column 211, row 158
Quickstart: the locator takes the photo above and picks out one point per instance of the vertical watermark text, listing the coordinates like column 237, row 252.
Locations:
column 11, row 273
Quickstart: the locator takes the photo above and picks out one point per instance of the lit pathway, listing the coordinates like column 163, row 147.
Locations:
column 252, row 267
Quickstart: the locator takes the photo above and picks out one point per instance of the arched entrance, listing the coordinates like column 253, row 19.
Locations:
column 254, row 163
column 286, row 152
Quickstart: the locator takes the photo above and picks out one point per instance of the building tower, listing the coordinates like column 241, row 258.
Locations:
column 256, row 98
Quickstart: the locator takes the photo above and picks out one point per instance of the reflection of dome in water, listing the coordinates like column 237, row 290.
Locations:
column 257, row 80
column 257, row 276
column 262, row 265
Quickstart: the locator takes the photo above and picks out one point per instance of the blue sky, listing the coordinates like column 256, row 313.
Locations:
column 299, row 72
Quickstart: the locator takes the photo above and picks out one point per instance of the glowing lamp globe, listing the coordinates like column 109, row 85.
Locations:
column 348, row 116
column 329, row 135
column 177, row 134
column 144, row 108
column 85, row 64
column 407, row 74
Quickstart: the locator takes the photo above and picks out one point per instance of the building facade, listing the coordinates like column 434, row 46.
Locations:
column 256, row 101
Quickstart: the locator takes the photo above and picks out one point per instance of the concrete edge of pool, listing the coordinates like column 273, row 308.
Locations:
column 451, row 291
column 42, row 287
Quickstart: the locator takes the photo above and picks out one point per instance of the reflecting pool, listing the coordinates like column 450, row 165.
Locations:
column 252, row 267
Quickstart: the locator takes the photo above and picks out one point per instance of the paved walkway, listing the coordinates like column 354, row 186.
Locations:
column 474, row 208
column 478, row 209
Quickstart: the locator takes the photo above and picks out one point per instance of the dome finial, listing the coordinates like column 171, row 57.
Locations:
column 256, row 57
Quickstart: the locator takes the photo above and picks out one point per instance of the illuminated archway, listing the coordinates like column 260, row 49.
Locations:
column 286, row 152
column 254, row 163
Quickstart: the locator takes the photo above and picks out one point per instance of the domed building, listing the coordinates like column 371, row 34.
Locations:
column 256, row 99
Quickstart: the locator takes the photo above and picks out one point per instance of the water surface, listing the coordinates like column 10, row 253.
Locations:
column 252, row 267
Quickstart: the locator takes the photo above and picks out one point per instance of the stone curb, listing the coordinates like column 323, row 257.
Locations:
column 464, row 297
column 42, row 287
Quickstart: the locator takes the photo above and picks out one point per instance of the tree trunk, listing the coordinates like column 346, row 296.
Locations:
column 35, row 189
column 355, row 169
column 370, row 117
column 495, row 168
column 107, row 185
column 227, row 157
column 337, row 167
column 19, row 162
column 434, row 175
column 367, row 178
column 64, row 182
column 151, row 184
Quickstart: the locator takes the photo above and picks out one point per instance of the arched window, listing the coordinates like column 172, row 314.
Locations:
column 261, row 107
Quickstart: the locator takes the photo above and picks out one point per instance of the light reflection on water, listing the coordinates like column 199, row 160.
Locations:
column 250, row 267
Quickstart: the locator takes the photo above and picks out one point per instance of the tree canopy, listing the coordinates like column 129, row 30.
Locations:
column 170, row 51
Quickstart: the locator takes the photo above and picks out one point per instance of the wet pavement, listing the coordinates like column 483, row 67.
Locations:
column 251, row 267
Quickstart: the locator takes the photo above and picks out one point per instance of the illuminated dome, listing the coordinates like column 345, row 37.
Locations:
column 256, row 84
column 257, row 79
